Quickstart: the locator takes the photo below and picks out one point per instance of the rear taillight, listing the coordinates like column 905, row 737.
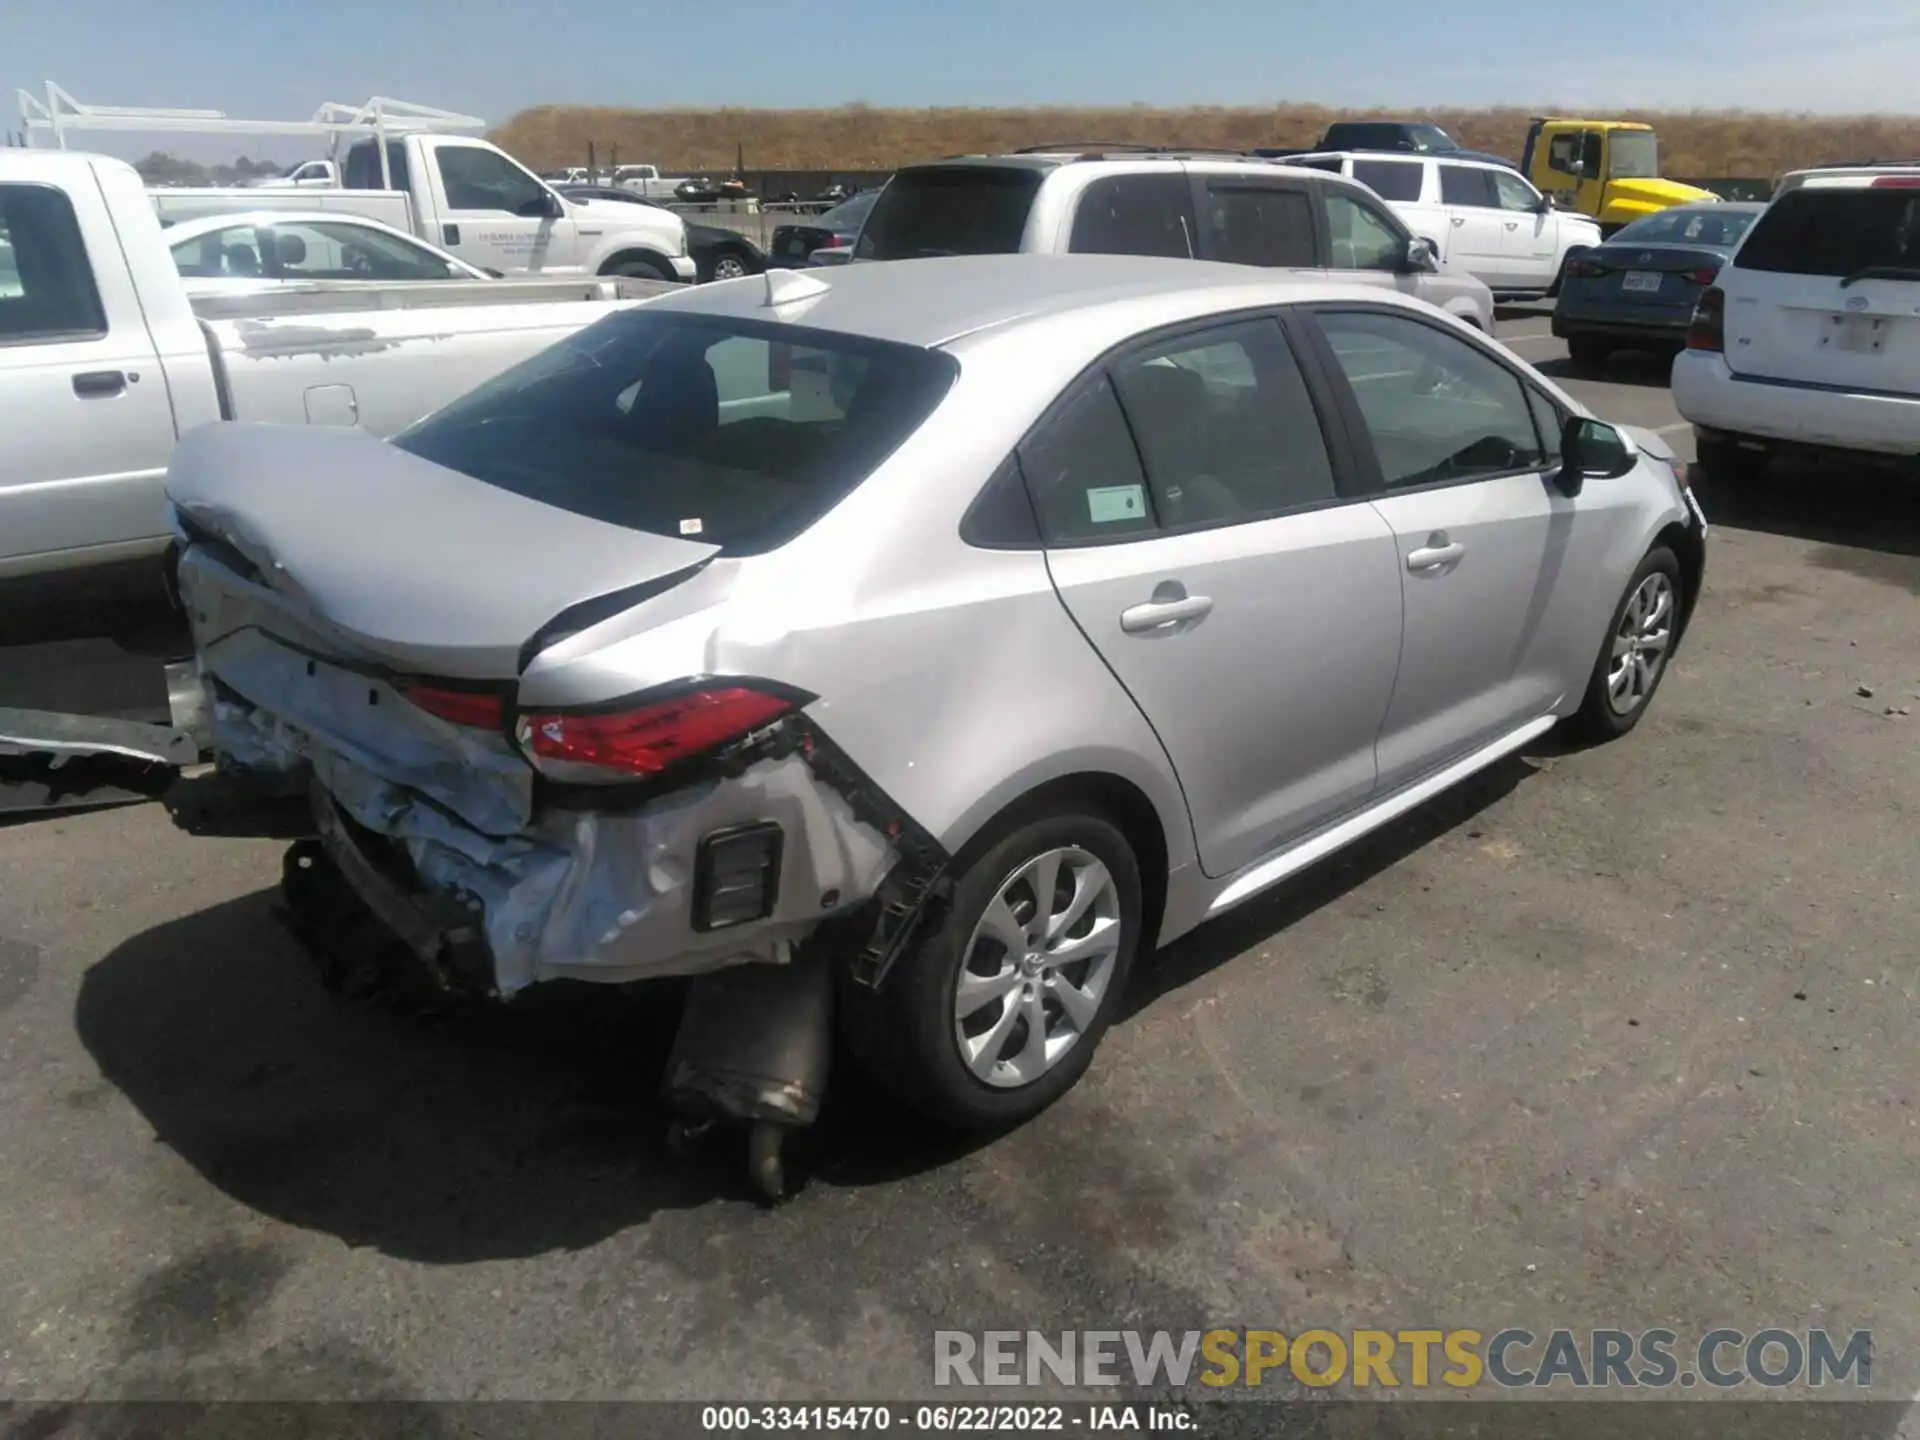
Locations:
column 1705, row 275
column 639, row 742
column 1896, row 182
column 1708, row 330
column 476, row 709
column 1585, row 270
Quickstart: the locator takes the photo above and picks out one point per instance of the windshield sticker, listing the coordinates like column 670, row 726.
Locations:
column 1109, row 503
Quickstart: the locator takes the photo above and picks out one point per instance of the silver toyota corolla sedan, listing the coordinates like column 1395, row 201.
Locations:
column 965, row 628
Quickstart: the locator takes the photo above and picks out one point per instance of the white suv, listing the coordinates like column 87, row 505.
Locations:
column 1484, row 219
column 1810, row 339
column 1189, row 205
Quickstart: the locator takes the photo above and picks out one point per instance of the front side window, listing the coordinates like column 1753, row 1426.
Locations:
column 477, row 179
column 1391, row 179
column 1636, row 156
column 47, row 292
column 1436, row 408
column 1467, row 185
column 1513, row 193
column 1360, row 237
column 1257, row 225
column 1225, row 425
column 1135, row 215
column 739, row 433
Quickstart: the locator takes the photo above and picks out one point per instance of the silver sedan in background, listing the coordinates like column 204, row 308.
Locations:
column 969, row 627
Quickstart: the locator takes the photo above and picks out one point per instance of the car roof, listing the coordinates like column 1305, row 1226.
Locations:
column 933, row 302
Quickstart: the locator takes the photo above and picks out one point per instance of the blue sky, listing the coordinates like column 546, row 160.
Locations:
column 271, row 58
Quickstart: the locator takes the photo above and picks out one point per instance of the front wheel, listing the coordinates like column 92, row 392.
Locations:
column 994, row 1014
column 729, row 267
column 1639, row 643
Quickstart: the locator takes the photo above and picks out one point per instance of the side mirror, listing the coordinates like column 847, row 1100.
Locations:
column 1592, row 450
column 1421, row 257
column 1544, row 205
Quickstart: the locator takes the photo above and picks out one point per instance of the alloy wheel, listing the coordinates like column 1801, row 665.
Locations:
column 1640, row 644
column 728, row 267
column 1037, row 967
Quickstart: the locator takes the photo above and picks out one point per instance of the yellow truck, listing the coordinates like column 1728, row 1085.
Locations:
column 1609, row 169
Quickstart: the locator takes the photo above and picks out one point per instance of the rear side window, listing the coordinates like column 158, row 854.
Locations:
column 362, row 170
column 1135, row 215
column 740, row 433
column 1084, row 473
column 46, row 287
column 950, row 210
column 1464, row 185
column 1225, row 425
column 1837, row 232
column 1257, row 225
column 1391, row 179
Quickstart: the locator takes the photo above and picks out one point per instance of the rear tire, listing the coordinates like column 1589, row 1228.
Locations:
column 962, row 1051
column 728, row 266
column 1637, row 651
column 1588, row 354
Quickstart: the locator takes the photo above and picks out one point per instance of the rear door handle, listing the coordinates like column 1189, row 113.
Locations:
column 1158, row 614
column 89, row 383
column 1432, row 555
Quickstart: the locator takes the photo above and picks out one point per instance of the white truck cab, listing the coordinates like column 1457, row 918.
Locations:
column 1484, row 220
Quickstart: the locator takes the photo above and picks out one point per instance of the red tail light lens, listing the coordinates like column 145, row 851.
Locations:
column 1705, row 275
column 645, row 740
column 1897, row 182
column 1586, row 270
column 1708, row 330
column 476, row 709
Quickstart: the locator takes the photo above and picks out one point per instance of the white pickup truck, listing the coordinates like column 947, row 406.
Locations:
column 105, row 360
column 477, row 201
column 645, row 181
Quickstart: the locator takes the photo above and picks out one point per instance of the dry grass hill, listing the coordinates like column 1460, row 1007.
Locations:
column 1701, row 144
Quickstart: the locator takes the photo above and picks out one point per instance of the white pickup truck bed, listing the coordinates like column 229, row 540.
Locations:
column 105, row 361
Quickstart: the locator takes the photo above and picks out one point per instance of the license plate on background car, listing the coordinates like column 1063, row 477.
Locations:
column 1861, row 334
column 1641, row 280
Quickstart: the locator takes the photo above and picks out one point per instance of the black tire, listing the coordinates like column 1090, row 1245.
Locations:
column 1726, row 465
column 1587, row 353
column 1598, row 719
column 638, row 268
column 903, row 1034
column 728, row 265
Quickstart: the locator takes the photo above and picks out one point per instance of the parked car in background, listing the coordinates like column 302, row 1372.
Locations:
column 322, row 174
column 1199, row 206
column 1483, row 218
column 793, row 244
column 224, row 253
column 781, row 675
column 1420, row 137
column 704, row 191
column 107, row 356
column 1638, row 290
column 720, row 253
column 1809, row 339
column 645, row 181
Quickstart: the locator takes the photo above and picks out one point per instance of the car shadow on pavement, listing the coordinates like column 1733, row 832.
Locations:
column 1649, row 369
column 1833, row 504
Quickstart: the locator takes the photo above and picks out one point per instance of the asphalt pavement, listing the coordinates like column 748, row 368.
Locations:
column 1610, row 1037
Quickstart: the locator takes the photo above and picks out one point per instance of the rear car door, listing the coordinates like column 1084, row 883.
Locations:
column 1253, row 219
column 1187, row 495
column 498, row 216
column 84, row 410
column 1476, row 227
column 1530, row 245
column 1458, row 457
column 1826, row 290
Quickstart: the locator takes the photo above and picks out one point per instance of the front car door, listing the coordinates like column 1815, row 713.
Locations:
column 1458, row 452
column 497, row 216
column 1476, row 228
column 86, row 424
column 1254, row 219
column 1194, row 530
column 1365, row 243
column 1530, row 247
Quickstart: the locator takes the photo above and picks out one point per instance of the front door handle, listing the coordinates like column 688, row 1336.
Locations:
column 1513, row 224
column 1459, row 220
column 1435, row 554
column 89, row 383
column 1161, row 614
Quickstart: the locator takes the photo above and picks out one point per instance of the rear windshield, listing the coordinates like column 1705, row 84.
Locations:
column 950, row 210
column 738, row 433
column 1708, row 226
column 1836, row 232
